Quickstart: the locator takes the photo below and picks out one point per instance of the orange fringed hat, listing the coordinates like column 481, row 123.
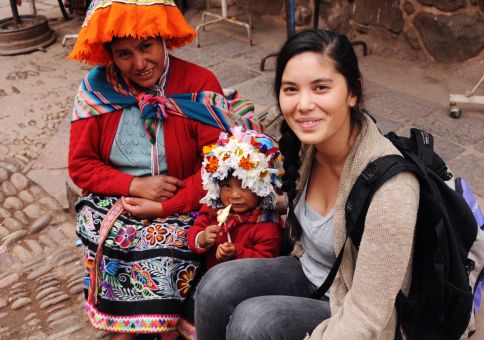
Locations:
column 140, row 19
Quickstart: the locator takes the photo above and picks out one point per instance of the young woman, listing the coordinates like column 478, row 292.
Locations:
column 327, row 141
column 135, row 149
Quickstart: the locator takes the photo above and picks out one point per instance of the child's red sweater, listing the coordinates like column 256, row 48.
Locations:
column 263, row 239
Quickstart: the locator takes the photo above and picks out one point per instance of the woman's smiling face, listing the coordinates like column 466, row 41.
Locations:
column 315, row 100
column 141, row 60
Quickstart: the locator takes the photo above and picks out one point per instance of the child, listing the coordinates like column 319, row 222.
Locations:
column 241, row 172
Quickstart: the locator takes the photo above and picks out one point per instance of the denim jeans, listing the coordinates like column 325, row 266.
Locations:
column 257, row 299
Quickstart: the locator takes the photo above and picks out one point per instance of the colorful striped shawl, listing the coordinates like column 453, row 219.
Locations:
column 105, row 90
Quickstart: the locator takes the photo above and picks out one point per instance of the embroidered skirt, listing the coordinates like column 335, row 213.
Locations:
column 145, row 271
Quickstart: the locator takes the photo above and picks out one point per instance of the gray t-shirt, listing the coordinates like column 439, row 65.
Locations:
column 317, row 239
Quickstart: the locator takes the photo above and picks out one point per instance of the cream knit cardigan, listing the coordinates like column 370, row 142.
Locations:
column 363, row 293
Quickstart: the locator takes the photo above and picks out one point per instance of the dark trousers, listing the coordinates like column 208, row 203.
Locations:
column 257, row 299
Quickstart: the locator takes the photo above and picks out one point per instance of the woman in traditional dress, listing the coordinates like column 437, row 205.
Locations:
column 140, row 120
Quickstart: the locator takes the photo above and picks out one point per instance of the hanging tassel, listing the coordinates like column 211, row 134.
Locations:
column 106, row 225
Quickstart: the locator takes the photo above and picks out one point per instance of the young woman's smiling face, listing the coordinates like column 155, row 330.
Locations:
column 315, row 100
column 141, row 60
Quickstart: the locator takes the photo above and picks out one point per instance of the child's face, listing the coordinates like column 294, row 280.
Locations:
column 242, row 199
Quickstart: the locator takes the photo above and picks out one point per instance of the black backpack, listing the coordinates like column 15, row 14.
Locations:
column 439, row 304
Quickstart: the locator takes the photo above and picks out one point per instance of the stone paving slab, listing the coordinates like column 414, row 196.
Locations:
column 252, row 58
column 227, row 48
column 372, row 89
column 197, row 56
column 465, row 132
column 55, row 152
column 259, row 89
column 386, row 124
column 230, row 74
column 399, row 106
column 53, row 182
column 471, row 165
column 480, row 147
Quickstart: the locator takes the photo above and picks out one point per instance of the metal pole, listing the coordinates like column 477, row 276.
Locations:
column 34, row 9
column 224, row 8
column 63, row 10
column 475, row 87
column 291, row 17
column 316, row 14
column 16, row 17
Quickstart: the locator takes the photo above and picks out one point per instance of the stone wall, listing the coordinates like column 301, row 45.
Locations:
column 441, row 30
column 446, row 30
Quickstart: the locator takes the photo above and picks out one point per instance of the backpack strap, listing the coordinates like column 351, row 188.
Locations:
column 319, row 293
column 375, row 174
column 371, row 179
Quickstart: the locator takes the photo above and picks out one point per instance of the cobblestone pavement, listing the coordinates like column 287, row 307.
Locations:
column 40, row 266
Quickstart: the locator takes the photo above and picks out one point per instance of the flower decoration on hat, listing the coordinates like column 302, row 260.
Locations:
column 254, row 158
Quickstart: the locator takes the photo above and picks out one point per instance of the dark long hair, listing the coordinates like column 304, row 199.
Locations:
column 336, row 47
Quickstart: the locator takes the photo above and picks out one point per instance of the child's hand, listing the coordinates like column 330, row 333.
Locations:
column 142, row 207
column 208, row 236
column 225, row 251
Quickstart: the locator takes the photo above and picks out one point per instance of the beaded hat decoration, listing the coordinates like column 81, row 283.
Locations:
column 140, row 19
column 254, row 158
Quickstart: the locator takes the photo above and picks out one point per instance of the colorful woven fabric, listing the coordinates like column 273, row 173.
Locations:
column 161, row 323
column 144, row 272
column 141, row 19
column 187, row 329
column 105, row 90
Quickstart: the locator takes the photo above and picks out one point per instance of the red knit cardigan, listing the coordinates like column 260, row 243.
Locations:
column 91, row 141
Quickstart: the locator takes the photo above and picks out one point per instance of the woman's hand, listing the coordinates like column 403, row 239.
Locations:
column 225, row 251
column 156, row 188
column 281, row 204
column 142, row 207
column 208, row 236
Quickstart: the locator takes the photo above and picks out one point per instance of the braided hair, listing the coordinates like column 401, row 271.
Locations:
column 338, row 48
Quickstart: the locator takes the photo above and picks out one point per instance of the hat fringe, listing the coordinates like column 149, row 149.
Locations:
column 129, row 20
